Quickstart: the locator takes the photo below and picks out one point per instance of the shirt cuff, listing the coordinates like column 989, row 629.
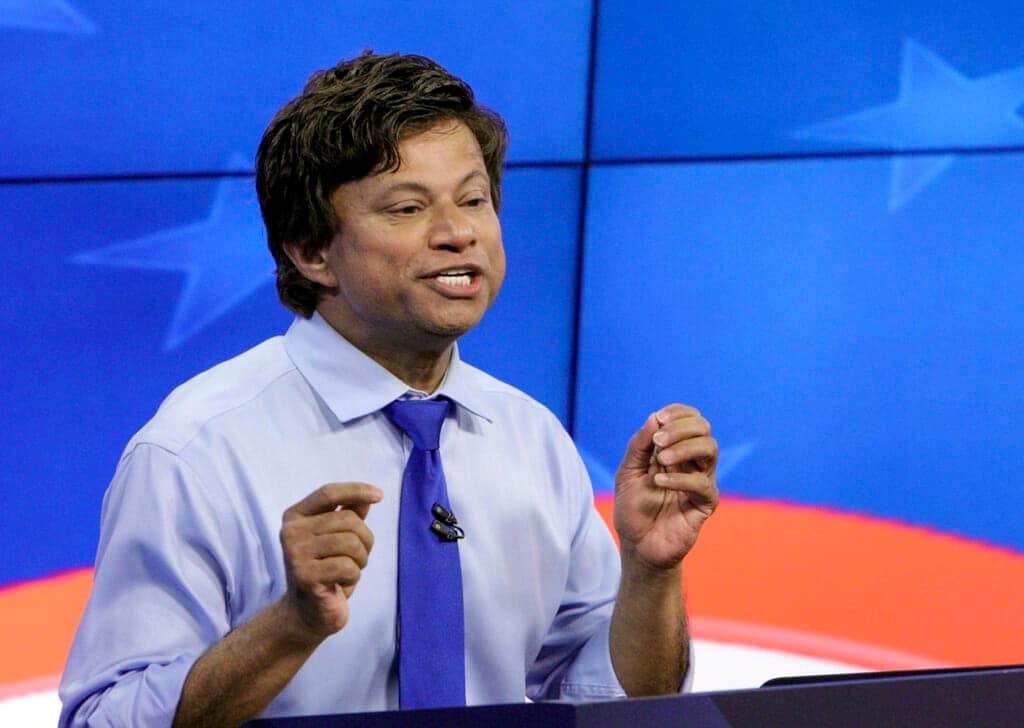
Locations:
column 143, row 697
column 592, row 676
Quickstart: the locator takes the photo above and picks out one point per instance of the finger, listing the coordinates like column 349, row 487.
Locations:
column 700, row 488
column 345, row 519
column 342, row 570
column 334, row 522
column 640, row 445
column 644, row 443
column 681, row 429
column 362, row 510
column 700, row 453
column 675, row 411
column 331, row 545
column 357, row 496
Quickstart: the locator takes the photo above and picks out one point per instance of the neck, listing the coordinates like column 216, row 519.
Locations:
column 420, row 370
column 420, row 364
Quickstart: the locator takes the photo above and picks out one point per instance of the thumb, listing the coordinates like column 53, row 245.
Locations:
column 360, row 509
column 641, row 446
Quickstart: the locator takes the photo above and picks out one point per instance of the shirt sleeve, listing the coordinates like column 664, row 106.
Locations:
column 574, row 663
column 160, row 595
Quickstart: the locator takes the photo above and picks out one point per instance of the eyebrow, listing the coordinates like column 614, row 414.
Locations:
column 412, row 186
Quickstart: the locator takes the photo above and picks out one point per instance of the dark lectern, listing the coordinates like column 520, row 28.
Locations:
column 978, row 697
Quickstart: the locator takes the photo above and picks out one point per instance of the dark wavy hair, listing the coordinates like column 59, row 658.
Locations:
column 346, row 125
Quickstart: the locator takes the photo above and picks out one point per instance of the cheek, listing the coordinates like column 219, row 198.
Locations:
column 371, row 267
column 381, row 280
column 498, row 260
column 499, row 271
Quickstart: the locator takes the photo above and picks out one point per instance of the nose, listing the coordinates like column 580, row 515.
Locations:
column 452, row 228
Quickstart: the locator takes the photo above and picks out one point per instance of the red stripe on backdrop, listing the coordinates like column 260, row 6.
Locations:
column 37, row 623
column 852, row 588
column 29, row 687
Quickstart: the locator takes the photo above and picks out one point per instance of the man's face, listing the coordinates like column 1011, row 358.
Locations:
column 418, row 258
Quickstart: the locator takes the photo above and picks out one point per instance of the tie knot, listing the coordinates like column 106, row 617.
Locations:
column 420, row 419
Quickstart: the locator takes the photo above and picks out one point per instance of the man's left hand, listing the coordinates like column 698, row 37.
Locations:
column 665, row 487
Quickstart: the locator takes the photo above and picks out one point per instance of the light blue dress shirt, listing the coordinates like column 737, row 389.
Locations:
column 189, row 543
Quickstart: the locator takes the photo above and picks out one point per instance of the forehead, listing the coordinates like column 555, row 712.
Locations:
column 440, row 157
column 441, row 144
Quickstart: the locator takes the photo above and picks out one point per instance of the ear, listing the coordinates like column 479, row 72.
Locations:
column 313, row 266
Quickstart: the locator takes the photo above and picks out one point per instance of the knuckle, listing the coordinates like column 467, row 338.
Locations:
column 348, row 519
column 350, row 542
column 349, row 571
column 686, row 410
column 293, row 553
column 290, row 532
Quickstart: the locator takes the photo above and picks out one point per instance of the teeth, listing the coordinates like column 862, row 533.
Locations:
column 456, row 279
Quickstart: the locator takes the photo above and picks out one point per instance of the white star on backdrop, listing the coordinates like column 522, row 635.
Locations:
column 938, row 108
column 224, row 258
column 55, row 16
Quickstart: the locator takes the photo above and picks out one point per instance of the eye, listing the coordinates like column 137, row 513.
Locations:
column 405, row 209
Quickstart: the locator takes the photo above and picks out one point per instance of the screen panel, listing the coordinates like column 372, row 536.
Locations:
column 130, row 87
column 849, row 356
column 526, row 338
column 100, row 334
column 740, row 78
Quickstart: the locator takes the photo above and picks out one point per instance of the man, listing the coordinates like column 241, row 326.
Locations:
column 379, row 187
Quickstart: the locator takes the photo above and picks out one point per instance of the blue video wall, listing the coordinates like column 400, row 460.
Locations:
column 803, row 218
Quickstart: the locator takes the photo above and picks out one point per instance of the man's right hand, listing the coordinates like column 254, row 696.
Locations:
column 326, row 544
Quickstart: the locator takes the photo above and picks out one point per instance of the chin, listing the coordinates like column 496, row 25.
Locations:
column 448, row 333
column 452, row 324
column 451, row 329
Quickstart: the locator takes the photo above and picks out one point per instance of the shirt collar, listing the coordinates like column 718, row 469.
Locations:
column 353, row 385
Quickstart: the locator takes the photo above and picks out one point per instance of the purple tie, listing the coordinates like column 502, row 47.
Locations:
column 431, row 669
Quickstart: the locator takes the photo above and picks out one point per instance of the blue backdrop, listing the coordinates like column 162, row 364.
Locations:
column 719, row 184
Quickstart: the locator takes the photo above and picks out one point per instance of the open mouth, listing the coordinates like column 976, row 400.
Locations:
column 457, row 278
